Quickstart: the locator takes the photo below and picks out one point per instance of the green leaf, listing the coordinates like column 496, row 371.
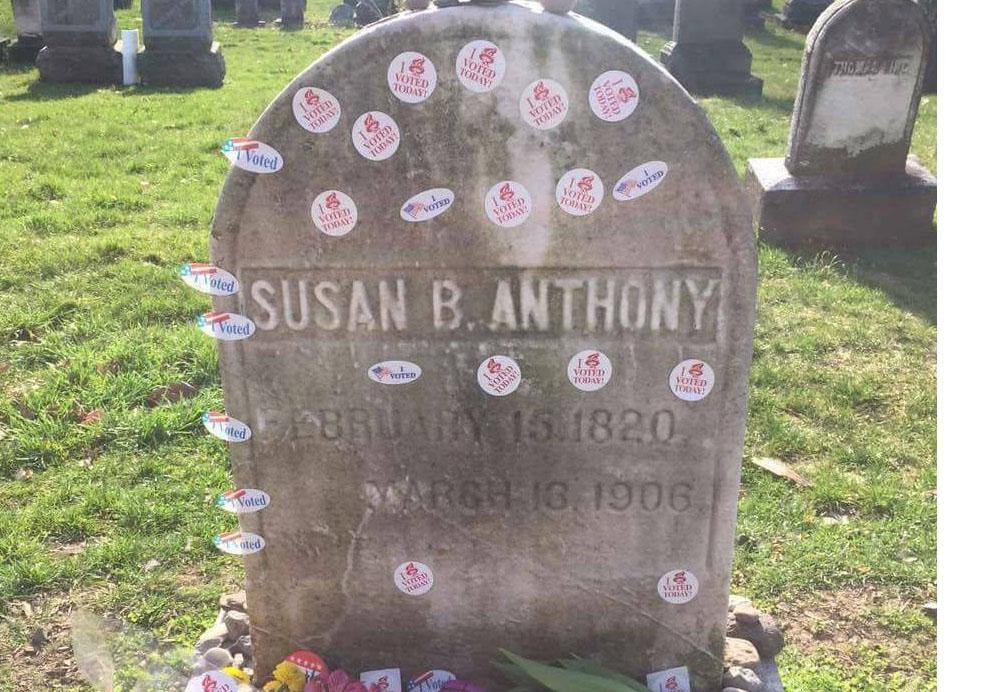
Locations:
column 584, row 665
column 561, row 680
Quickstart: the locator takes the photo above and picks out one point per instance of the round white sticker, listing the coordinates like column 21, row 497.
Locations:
column 316, row 110
column 589, row 370
column 580, row 192
column 334, row 213
column 691, row 380
column 412, row 77
column 213, row 680
column 614, row 96
column 414, row 578
column 499, row 376
column 394, row 372
column 678, row 586
column 480, row 66
column 376, row 136
column 544, row 104
column 427, row 205
column 640, row 181
column 508, row 204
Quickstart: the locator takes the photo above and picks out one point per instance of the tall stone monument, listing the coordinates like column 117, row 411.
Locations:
column 801, row 14
column 502, row 276
column 292, row 14
column 846, row 180
column 706, row 53
column 618, row 15
column 28, row 23
column 179, row 49
column 80, row 39
column 247, row 14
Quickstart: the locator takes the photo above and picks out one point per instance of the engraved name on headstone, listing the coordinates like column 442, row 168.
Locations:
column 503, row 289
column 80, row 36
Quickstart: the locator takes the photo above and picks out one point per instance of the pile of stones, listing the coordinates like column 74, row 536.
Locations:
column 753, row 640
column 228, row 642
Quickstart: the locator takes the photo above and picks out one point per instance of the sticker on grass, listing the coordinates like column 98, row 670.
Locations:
column 412, row 77
column 691, row 380
column 499, row 376
column 671, row 680
column 427, row 205
column 239, row 543
column 388, row 680
column 678, row 586
column 376, row 136
column 544, row 104
column 309, row 663
column 208, row 279
column 224, row 427
column 431, row 681
column 614, row 96
column 252, row 156
column 508, row 204
column 640, row 181
column 394, row 372
column 225, row 326
column 589, row 370
column 414, row 578
column 243, row 501
column 580, row 192
column 334, row 213
column 316, row 110
column 213, row 681
column 480, row 66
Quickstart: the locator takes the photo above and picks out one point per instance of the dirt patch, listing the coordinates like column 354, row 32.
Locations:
column 35, row 648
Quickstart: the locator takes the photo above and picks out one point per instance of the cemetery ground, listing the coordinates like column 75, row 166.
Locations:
column 107, row 478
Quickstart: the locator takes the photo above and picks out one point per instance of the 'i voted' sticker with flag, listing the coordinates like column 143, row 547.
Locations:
column 640, row 181
column 431, row 681
column 239, row 543
column 394, row 372
column 208, row 279
column 427, row 205
column 316, row 110
column 225, row 326
column 243, row 501
column 252, row 156
column 224, row 427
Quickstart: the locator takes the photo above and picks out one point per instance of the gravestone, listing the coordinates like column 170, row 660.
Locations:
column 846, row 180
column 179, row 49
column 292, row 14
column 801, row 14
column 618, row 15
column 501, row 275
column 28, row 23
column 80, row 39
column 754, row 10
column 247, row 14
column 706, row 53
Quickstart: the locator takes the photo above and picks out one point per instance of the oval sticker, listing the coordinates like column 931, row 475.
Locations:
column 224, row 427
column 508, row 204
column 427, row 205
column 480, row 66
column 208, row 279
column 243, row 501
column 678, row 586
column 395, row 372
column 431, row 681
column 414, row 578
column 316, row 110
column 691, row 380
column 589, row 370
column 412, row 77
column 213, row 680
column 614, row 96
column 310, row 663
column 544, row 104
column 239, row 543
column 225, row 326
column 334, row 213
column 499, row 375
column 252, row 156
column 580, row 192
column 376, row 136
column 640, row 181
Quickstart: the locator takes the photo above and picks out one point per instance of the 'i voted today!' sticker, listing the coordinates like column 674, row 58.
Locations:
column 239, row 543
column 252, row 156
column 589, row 370
column 414, row 578
column 412, row 77
column 499, row 376
column 427, row 205
column 614, row 96
column 316, row 110
column 678, row 586
column 480, row 66
column 224, row 427
column 208, row 279
column 225, row 326
column 691, row 380
column 376, row 136
column 243, row 501
column 544, row 104
column 334, row 213
column 508, row 204
column 580, row 192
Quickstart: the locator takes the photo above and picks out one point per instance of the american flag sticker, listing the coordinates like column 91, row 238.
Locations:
column 224, row 427
column 208, row 279
column 243, row 501
column 640, row 181
column 239, row 543
column 427, row 205
column 252, row 156
column 225, row 326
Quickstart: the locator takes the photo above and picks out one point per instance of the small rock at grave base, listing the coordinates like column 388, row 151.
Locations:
column 742, row 679
column 239, row 660
column 199, row 665
column 765, row 635
column 218, row 658
column 741, row 653
column 242, row 646
column 735, row 601
column 237, row 623
column 746, row 614
column 233, row 601
column 204, row 645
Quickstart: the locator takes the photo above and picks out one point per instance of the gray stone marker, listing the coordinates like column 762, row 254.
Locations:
column 801, row 14
column 247, row 14
column 846, row 180
column 618, row 15
column 28, row 23
column 543, row 517
column 706, row 53
column 80, row 38
column 179, row 49
column 292, row 14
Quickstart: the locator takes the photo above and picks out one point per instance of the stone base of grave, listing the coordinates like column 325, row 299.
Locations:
column 182, row 68
column 712, row 69
column 25, row 49
column 841, row 213
column 90, row 65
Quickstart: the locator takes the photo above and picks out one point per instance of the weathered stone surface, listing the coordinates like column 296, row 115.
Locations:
column 739, row 652
column 28, row 24
column 181, row 68
column 79, row 40
column 179, row 49
column 233, row 601
column 547, row 517
column 706, row 53
column 746, row 613
column 237, row 624
column 846, row 179
column 764, row 633
column 743, row 679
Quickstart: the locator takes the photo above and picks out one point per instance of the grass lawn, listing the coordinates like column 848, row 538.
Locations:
column 106, row 495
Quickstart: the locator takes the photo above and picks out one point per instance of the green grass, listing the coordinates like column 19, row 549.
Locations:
column 103, row 192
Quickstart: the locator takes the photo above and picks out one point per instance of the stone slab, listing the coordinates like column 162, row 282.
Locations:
column 177, row 25
column 27, row 18
column 826, row 211
column 552, row 519
column 87, row 65
column 292, row 13
column 247, row 14
column 76, row 23
column 25, row 49
column 182, row 68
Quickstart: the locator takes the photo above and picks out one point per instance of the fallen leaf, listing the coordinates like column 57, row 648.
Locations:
column 23, row 410
column 23, row 474
column 92, row 417
column 171, row 393
column 779, row 468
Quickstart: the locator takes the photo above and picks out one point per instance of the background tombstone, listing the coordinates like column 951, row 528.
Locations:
column 754, row 10
column 80, row 38
column 846, row 179
column 706, row 53
column 179, row 49
column 247, row 14
column 292, row 14
column 28, row 23
column 801, row 14
column 618, row 15
column 550, row 517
